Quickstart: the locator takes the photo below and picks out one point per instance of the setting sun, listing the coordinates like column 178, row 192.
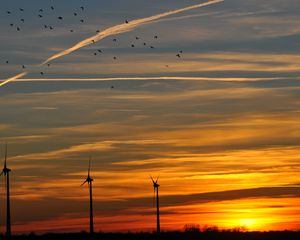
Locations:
column 248, row 223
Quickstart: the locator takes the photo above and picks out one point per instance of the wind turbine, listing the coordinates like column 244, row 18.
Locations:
column 89, row 180
column 155, row 188
column 6, row 172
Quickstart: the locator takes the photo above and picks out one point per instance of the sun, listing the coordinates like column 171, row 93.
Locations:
column 248, row 223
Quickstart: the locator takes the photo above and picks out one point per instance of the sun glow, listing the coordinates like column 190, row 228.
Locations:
column 248, row 223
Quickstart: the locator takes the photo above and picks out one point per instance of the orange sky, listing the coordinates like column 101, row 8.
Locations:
column 220, row 125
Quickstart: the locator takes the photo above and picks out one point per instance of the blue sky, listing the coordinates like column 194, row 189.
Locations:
column 257, row 28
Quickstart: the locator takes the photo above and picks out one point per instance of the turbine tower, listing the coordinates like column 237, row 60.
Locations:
column 155, row 188
column 89, row 180
column 6, row 172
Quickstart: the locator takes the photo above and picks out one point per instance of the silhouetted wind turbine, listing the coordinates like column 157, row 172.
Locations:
column 89, row 180
column 155, row 188
column 5, row 172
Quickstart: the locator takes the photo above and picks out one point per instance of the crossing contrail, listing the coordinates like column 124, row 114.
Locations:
column 114, row 30
column 126, row 27
column 13, row 78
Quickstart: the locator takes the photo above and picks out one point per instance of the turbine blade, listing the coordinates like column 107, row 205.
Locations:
column 5, row 180
column 157, row 179
column 5, row 157
column 152, row 179
column 83, row 183
column 89, row 171
column 1, row 173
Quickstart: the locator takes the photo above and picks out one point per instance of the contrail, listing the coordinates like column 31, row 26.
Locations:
column 13, row 78
column 141, row 78
column 126, row 27
column 117, row 29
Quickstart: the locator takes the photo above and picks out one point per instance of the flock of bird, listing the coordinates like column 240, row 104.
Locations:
column 77, row 14
column 40, row 14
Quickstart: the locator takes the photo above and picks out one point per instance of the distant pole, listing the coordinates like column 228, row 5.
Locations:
column 89, row 180
column 6, row 172
column 8, row 224
column 157, row 213
column 91, row 209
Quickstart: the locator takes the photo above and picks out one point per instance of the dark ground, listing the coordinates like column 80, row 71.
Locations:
column 221, row 235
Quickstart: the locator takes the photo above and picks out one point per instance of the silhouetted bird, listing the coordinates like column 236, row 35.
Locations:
column 51, row 28
column 180, row 51
column 21, row 9
column 178, row 55
column 82, row 8
column 126, row 21
column 97, row 31
column 81, row 20
column 18, row 29
column 23, row 66
column 95, row 54
column 42, row 73
column 41, row 10
column 100, row 51
column 52, row 8
column 60, row 18
column 114, row 39
column 155, row 37
column 22, row 20
column 75, row 14
column 115, row 58
column 132, row 45
column 144, row 44
column 8, row 12
column 151, row 47
column 11, row 24
column 71, row 30
column 137, row 38
column 6, row 62
column 40, row 16
column 112, row 87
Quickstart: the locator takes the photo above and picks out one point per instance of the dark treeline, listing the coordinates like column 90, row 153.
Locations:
column 185, row 235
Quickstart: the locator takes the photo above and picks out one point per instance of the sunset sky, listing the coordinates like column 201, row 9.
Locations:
column 220, row 124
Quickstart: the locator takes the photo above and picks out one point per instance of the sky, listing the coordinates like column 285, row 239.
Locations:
column 219, row 124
